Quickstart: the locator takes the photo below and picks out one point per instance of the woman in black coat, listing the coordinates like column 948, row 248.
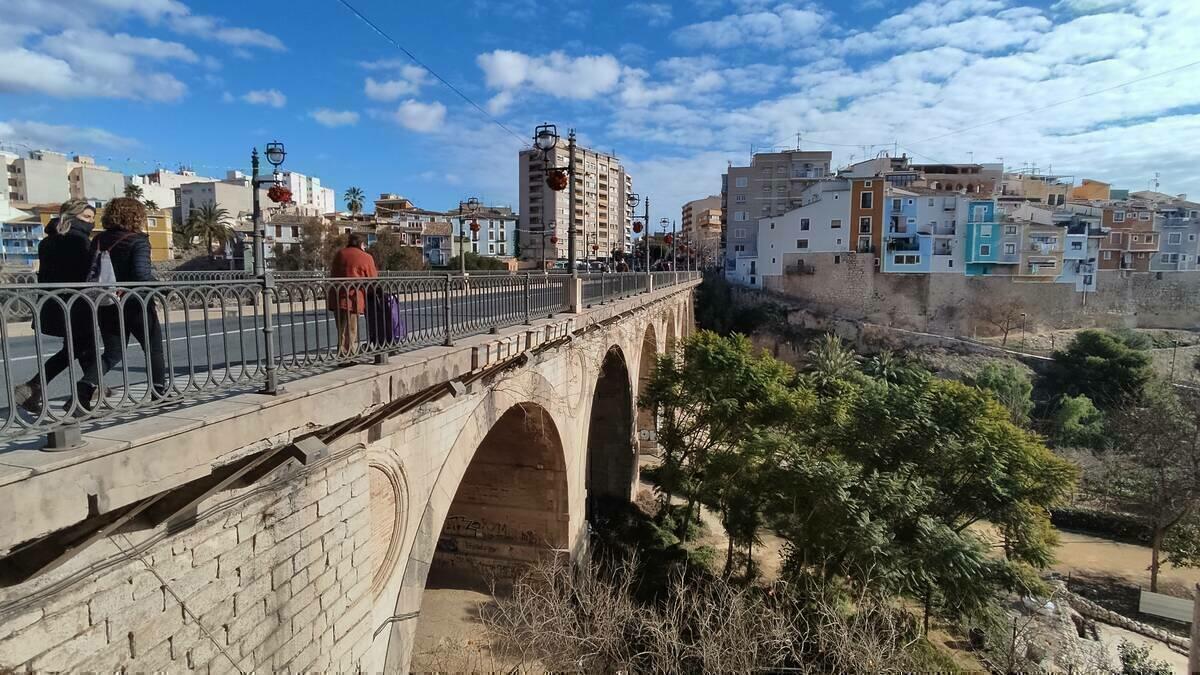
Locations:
column 135, row 315
column 64, row 256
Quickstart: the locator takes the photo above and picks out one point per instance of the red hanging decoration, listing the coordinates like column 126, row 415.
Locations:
column 474, row 226
column 280, row 194
column 637, row 228
column 595, row 247
column 668, row 239
column 553, row 240
column 556, row 179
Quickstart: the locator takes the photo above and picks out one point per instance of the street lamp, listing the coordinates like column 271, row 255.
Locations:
column 545, row 139
column 275, row 153
column 1023, row 330
column 472, row 208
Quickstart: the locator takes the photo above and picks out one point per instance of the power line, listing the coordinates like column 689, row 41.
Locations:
column 1063, row 102
column 433, row 72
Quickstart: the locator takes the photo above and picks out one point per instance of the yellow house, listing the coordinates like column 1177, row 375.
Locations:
column 1091, row 190
column 159, row 225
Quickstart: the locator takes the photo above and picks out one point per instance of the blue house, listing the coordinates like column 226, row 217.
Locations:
column 988, row 244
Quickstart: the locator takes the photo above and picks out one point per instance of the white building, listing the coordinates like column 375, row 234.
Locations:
column 497, row 231
column 232, row 194
column 93, row 183
column 162, row 186
column 311, row 198
column 820, row 225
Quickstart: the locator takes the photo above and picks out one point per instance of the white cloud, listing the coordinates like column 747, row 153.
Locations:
column 407, row 81
column 334, row 118
column 417, row 116
column 41, row 135
column 271, row 97
column 556, row 74
column 1088, row 6
column 89, row 63
column 655, row 13
column 778, row 27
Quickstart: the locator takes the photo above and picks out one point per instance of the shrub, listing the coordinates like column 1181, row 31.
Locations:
column 1110, row 525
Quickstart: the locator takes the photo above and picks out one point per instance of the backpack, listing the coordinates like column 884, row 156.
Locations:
column 102, row 272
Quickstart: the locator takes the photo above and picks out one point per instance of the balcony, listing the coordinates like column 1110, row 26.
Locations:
column 1176, row 221
column 866, row 248
column 940, row 248
column 1043, row 249
column 903, row 245
column 936, row 230
column 1008, row 258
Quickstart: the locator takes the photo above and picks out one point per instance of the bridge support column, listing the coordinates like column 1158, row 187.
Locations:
column 575, row 295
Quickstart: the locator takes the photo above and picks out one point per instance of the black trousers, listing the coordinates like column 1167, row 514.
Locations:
column 141, row 323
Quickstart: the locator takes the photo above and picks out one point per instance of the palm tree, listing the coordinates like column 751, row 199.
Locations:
column 884, row 366
column 354, row 199
column 209, row 222
column 831, row 360
column 133, row 191
column 150, row 205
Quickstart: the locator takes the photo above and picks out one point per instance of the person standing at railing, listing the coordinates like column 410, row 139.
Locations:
column 63, row 258
column 348, row 300
column 128, row 248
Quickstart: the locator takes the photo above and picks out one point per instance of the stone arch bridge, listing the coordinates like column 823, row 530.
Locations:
column 298, row 531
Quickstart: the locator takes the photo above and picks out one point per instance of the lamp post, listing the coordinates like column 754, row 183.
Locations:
column 1023, row 315
column 631, row 200
column 646, row 225
column 545, row 139
column 275, row 153
column 472, row 207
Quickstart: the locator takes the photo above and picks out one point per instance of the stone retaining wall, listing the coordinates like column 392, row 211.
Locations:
column 271, row 578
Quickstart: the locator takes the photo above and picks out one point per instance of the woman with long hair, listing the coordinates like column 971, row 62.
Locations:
column 64, row 257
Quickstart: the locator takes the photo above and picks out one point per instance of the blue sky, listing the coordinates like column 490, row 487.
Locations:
column 677, row 90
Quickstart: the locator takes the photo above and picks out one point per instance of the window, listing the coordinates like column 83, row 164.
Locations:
column 864, row 224
column 804, row 224
column 950, row 262
column 739, row 233
column 1087, row 280
column 985, row 250
column 1144, row 215
column 739, row 248
column 1191, row 237
column 739, row 199
column 740, row 181
column 980, row 213
column 772, row 225
column 835, row 224
column 1118, row 216
column 1175, row 238
column 931, row 201
column 1010, row 229
column 866, row 183
column 907, row 259
column 1135, row 239
column 985, row 230
column 492, row 248
column 1115, row 238
column 802, row 244
column 1010, row 249
column 1108, row 255
column 781, row 189
column 866, row 199
column 740, row 216
column 897, row 204
column 1077, row 246
column 839, row 242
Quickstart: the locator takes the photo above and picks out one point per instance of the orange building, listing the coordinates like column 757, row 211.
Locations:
column 866, row 214
column 1131, row 241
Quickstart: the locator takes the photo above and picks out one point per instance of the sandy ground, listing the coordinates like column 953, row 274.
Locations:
column 1080, row 553
column 449, row 636
column 1112, row 636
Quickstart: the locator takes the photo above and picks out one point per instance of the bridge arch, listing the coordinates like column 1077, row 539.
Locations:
column 671, row 335
column 501, row 499
column 648, row 356
column 611, row 459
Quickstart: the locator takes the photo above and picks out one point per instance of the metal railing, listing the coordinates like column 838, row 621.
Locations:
column 88, row 352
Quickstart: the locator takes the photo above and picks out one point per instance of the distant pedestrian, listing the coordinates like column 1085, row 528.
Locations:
column 63, row 258
column 347, row 299
column 128, row 249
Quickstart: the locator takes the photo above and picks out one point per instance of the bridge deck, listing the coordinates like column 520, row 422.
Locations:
column 125, row 460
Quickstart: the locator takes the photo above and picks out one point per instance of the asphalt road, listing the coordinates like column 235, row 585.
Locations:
column 202, row 352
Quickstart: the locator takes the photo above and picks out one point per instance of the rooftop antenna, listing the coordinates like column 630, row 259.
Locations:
column 971, row 157
column 1156, row 181
column 797, row 141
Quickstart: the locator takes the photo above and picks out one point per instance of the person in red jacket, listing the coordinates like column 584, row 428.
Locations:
column 348, row 299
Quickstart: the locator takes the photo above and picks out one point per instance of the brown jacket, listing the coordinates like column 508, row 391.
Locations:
column 350, row 263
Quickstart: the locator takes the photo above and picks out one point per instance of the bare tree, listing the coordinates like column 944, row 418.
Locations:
column 1004, row 316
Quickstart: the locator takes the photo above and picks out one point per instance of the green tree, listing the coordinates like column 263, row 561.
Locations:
column 209, row 222
column 391, row 253
column 1136, row 660
column 133, row 191
column 1152, row 470
column 354, row 199
column 1078, row 423
column 888, row 486
column 1011, row 386
column 1101, row 366
column 710, row 399
column 830, row 360
column 150, row 205
column 474, row 261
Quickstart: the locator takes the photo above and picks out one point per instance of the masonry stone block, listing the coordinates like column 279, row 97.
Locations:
column 47, row 633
